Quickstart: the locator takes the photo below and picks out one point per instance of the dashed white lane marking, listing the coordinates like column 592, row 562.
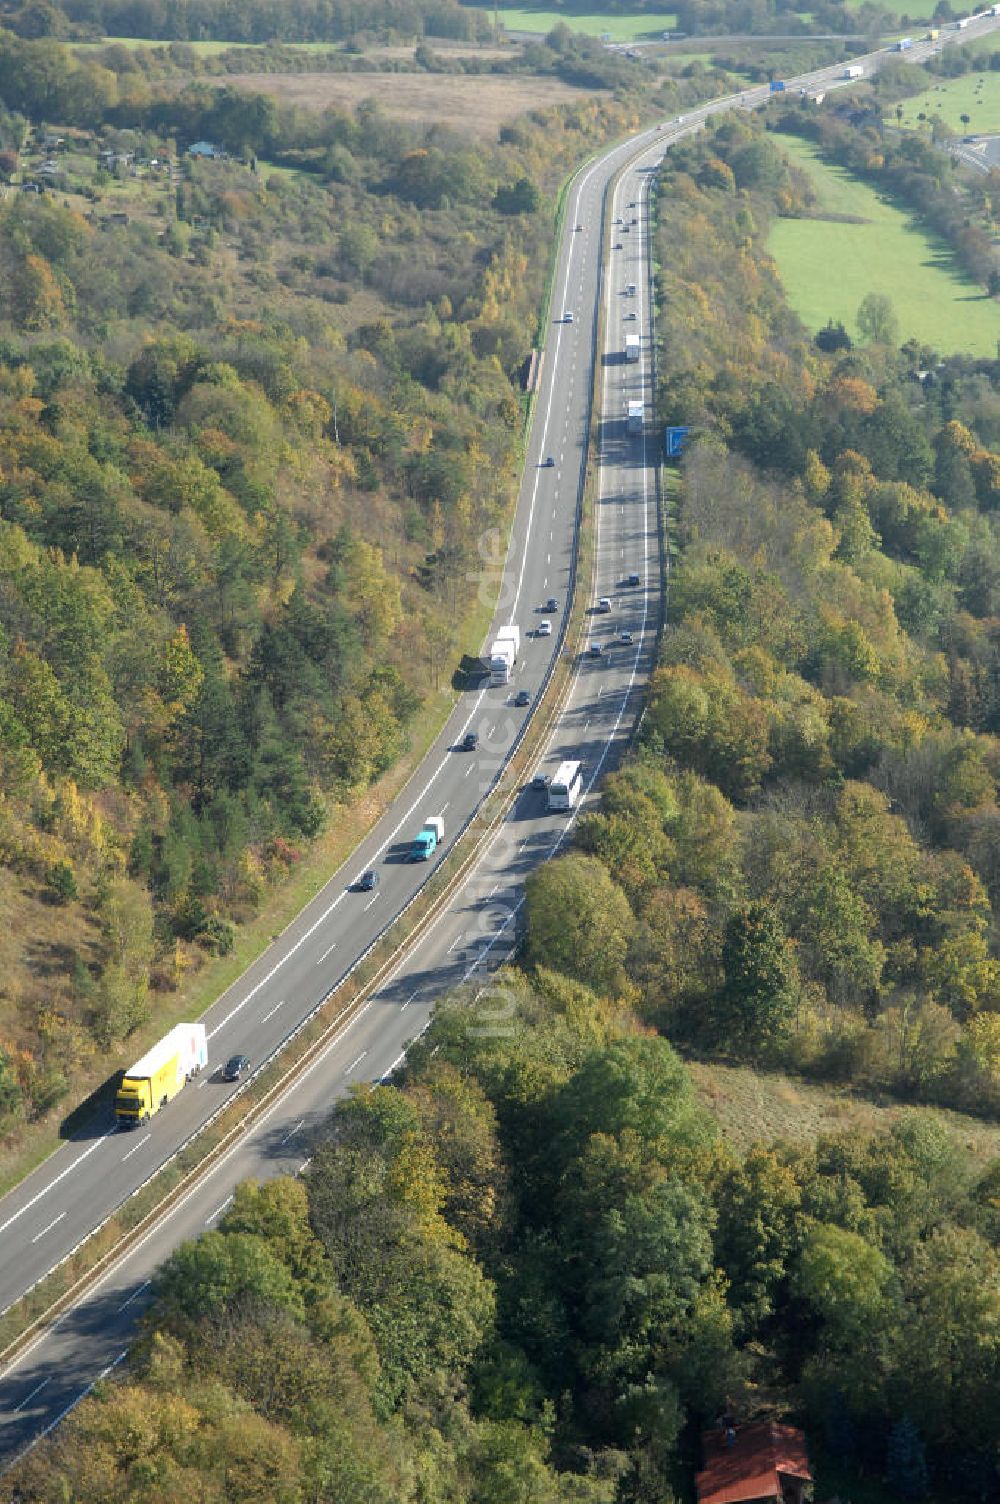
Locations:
column 218, row 1211
column 136, row 1147
column 354, row 1063
column 53, row 1183
column 273, row 1011
column 371, row 901
column 44, row 1230
column 327, row 952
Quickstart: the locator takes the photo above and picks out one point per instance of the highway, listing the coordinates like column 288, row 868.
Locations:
column 79, row 1186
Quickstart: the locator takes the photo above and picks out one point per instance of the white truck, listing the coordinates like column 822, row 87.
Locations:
column 503, row 653
column 853, row 70
column 631, row 347
column 633, row 418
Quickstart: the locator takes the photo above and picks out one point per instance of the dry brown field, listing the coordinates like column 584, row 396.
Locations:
column 477, row 105
column 443, row 49
column 760, row 1106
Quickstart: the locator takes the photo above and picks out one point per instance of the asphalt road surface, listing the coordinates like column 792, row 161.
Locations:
column 81, row 1185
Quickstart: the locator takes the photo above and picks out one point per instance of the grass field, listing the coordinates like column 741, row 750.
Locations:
column 753, row 1106
column 621, row 28
column 207, row 49
column 974, row 94
column 917, row 10
column 477, row 106
column 887, row 253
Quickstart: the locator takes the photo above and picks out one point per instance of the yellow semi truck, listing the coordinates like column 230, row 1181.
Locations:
column 161, row 1073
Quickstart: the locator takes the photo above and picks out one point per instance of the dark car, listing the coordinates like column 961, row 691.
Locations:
column 235, row 1067
column 540, row 781
column 522, row 698
column 470, row 741
column 633, row 579
column 551, row 604
column 548, row 462
column 626, row 639
column 367, row 881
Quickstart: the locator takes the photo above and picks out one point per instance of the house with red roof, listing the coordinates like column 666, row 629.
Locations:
column 764, row 1463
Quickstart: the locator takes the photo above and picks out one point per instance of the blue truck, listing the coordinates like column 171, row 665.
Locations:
column 777, row 86
column 427, row 840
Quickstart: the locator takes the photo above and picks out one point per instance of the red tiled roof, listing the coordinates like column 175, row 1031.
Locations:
column 749, row 1468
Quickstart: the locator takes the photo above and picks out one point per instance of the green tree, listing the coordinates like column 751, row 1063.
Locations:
column 757, row 1000
column 202, row 1277
column 578, row 921
column 845, row 1281
column 876, row 319
column 757, row 1233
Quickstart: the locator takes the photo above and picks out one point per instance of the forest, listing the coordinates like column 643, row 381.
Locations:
column 532, row 1270
column 248, row 21
column 254, row 418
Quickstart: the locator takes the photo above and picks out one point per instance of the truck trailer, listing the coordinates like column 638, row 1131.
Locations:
column 777, row 86
column 161, row 1073
column 853, row 70
column 428, row 839
column 631, row 347
column 501, row 661
column 633, row 418
column 904, row 44
column 503, row 653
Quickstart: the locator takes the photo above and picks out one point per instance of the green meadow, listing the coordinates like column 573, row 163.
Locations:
column 620, row 28
column 828, row 266
column 207, row 49
column 974, row 94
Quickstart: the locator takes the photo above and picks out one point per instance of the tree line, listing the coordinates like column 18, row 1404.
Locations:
column 249, row 21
